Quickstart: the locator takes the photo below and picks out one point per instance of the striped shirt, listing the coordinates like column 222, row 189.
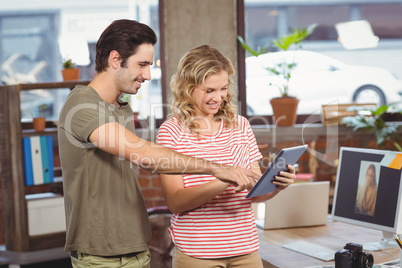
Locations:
column 224, row 226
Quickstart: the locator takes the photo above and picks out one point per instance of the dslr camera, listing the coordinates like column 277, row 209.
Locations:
column 353, row 256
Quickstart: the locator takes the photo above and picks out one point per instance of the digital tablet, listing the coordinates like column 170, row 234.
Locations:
column 287, row 156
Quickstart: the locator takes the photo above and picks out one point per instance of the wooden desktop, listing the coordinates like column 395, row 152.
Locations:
column 333, row 235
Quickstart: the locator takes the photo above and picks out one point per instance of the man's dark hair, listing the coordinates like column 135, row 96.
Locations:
column 124, row 36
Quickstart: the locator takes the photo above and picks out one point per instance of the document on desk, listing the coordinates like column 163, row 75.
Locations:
column 287, row 156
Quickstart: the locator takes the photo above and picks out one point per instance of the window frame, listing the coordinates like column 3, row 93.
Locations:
column 241, row 83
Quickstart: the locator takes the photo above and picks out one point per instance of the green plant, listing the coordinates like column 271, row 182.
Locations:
column 372, row 120
column 126, row 97
column 68, row 64
column 283, row 69
column 41, row 110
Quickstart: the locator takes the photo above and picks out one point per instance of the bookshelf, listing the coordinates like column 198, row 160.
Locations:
column 12, row 130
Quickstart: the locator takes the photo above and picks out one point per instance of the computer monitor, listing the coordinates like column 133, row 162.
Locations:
column 380, row 208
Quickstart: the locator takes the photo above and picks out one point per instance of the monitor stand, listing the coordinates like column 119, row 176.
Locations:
column 387, row 241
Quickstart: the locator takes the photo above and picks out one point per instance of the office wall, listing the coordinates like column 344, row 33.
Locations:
column 191, row 23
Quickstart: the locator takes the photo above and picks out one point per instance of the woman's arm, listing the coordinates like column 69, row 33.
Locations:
column 180, row 199
column 283, row 181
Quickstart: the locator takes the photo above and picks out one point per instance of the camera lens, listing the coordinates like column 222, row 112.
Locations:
column 365, row 260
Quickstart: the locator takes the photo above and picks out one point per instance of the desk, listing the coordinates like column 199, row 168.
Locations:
column 333, row 235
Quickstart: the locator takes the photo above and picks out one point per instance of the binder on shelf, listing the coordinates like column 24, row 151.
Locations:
column 46, row 146
column 38, row 160
column 27, row 161
column 36, row 154
column 49, row 141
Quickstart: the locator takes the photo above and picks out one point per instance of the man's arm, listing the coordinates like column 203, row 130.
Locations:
column 119, row 141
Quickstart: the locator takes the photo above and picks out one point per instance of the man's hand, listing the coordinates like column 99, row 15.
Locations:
column 285, row 178
column 241, row 178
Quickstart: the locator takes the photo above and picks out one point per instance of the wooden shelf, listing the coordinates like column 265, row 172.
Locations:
column 55, row 187
column 31, row 132
column 12, row 131
column 53, row 240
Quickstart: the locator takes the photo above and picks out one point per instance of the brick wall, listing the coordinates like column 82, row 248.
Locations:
column 151, row 188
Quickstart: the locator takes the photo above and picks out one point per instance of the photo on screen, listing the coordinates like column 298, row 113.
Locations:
column 366, row 197
column 351, row 174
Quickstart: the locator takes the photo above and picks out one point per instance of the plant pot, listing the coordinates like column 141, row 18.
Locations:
column 285, row 110
column 39, row 123
column 71, row 74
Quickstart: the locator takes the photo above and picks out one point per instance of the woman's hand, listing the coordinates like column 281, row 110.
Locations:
column 284, row 179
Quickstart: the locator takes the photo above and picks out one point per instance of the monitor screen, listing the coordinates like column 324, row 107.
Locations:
column 367, row 193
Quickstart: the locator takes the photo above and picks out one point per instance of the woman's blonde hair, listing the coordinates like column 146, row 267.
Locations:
column 193, row 69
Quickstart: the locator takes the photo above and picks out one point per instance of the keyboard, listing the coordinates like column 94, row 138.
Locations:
column 312, row 250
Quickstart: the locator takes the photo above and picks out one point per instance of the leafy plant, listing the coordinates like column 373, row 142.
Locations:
column 126, row 97
column 247, row 48
column 68, row 64
column 41, row 110
column 283, row 69
column 372, row 120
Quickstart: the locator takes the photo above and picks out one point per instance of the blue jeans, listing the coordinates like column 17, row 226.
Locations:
column 139, row 260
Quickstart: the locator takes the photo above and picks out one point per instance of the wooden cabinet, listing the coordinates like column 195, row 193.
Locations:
column 13, row 187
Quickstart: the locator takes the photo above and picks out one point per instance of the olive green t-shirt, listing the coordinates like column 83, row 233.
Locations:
column 105, row 210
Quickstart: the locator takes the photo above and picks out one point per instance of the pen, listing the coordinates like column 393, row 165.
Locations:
column 398, row 241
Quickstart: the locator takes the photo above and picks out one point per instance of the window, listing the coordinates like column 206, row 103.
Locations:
column 28, row 54
column 261, row 24
column 327, row 76
column 30, row 50
column 325, row 16
column 148, row 101
column 27, row 47
column 384, row 19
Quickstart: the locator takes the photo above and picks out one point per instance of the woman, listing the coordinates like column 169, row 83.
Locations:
column 213, row 225
column 367, row 194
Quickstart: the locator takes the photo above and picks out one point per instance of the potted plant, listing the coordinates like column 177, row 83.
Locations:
column 39, row 118
column 70, row 72
column 285, row 106
column 373, row 120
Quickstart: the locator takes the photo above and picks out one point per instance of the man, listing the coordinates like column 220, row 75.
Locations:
column 107, row 223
